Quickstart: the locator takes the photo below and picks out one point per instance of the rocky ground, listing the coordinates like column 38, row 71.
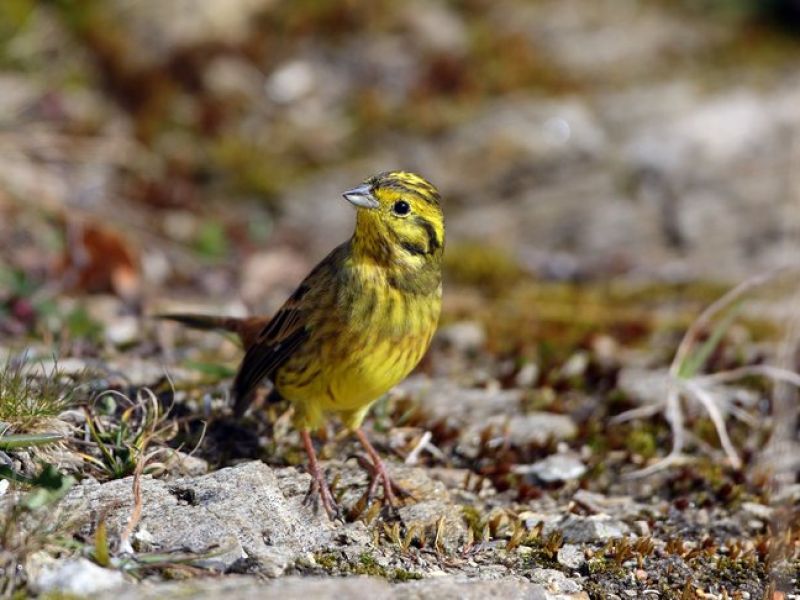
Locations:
column 610, row 169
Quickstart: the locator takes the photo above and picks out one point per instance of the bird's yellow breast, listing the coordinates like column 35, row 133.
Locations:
column 365, row 346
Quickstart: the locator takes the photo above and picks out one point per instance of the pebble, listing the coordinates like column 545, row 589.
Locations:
column 580, row 530
column 642, row 528
column 123, row 331
column 464, row 336
column 557, row 467
column 78, row 577
column 528, row 375
column 759, row 511
column 571, row 556
column 555, row 581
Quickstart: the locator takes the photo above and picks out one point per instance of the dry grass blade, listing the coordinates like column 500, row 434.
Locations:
column 684, row 380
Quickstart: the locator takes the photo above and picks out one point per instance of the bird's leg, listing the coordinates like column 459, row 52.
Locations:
column 319, row 484
column 378, row 472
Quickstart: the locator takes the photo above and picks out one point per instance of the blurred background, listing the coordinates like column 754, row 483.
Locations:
column 201, row 147
column 608, row 167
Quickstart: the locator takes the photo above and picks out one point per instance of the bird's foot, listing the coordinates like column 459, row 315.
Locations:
column 379, row 475
column 319, row 490
column 319, row 485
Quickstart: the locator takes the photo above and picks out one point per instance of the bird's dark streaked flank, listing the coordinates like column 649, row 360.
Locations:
column 358, row 323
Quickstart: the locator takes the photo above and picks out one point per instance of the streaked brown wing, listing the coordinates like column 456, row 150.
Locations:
column 288, row 330
column 279, row 339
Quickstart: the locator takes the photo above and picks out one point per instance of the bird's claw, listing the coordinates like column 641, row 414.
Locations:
column 319, row 490
column 379, row 475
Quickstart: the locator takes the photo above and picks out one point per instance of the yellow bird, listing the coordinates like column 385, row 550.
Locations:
column 357, row 324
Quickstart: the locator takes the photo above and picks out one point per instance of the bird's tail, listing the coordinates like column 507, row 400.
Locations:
column 247, row 329
column 203, row 321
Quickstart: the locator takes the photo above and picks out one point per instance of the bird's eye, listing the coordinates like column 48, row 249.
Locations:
column 401, row 207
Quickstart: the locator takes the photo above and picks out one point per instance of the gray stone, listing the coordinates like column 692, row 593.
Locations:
column 454, row 588
column 433, row 504
column 619, row 507
column 159, row 28
column 123, row 331
column 471, row 410
column 571, row 556
column 180, row 463
column 76, row 576
column 644, row 385
column 556, row 467
column 557, row 585
column 759, row 511
column 436, row 26
column 442, row 398
column 580, row 530
column 233, row 513
column 444, row 587
column 251, row 588
column 536, row 427
column 464, row 336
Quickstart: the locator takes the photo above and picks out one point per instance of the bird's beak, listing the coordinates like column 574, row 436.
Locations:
column 361, row 197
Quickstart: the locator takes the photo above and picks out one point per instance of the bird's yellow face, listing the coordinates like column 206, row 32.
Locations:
column 399, row 219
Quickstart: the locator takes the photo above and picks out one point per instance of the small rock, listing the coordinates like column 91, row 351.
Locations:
column 180, row 463
column 436, row 26
column 528, row 375
column 644, row 385
column 620, row 507
column 334, row 588
column 581, row 530
column 571, row 556
column 575, row 365
column 76, row 576
column 123, row 331
column 448, row 586
column 221, row 517
column 465, row 336
column 759, row 511
column 557, row 584
column 441, row 398
column 537, row 428
column 642, row 528
column 290, row 82
column 556, row 467
column 432, row 504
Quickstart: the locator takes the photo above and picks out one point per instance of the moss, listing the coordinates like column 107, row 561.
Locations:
column 642, row 442
column 56, row 596
column 334, row 563
column 400, row 575
column 367, row 565
column 327, row 560
column 488, row 268
column 601, row 565
column 474, row 520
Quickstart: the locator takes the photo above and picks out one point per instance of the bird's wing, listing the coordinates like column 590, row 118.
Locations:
column 287, row 330
column 273, row 346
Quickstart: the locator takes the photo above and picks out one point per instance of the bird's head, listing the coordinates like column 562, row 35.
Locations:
column 399, row 219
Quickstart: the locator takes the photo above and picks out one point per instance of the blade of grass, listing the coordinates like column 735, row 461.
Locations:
column 693, row 362
column 26, row 440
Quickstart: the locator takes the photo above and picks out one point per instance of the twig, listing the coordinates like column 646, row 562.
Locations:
column 125, row 546
column 708, row 402
column 413, row 456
